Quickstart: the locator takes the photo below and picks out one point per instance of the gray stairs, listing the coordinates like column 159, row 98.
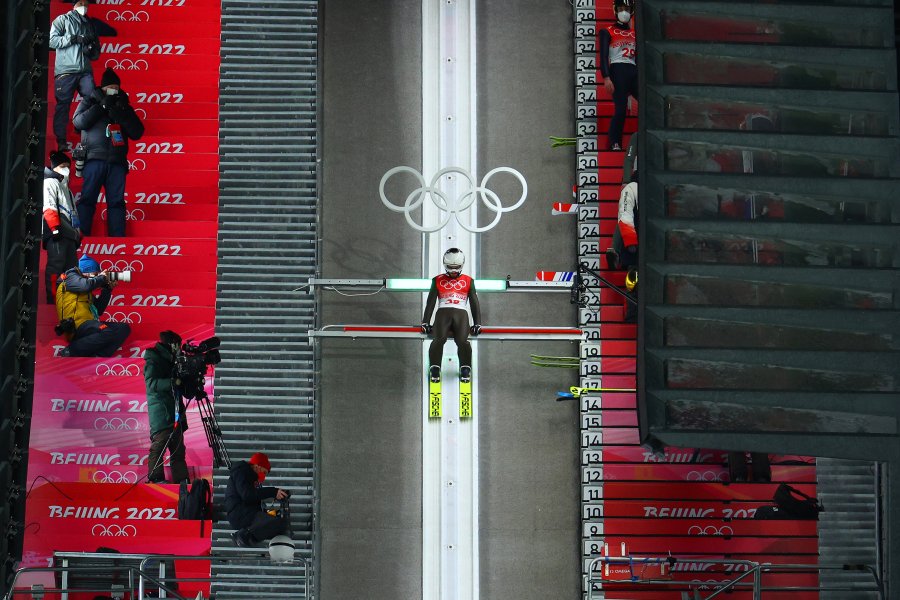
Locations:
column 848, row 526
column 267, row 248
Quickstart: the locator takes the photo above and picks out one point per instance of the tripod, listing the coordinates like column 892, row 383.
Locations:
column 213, row 431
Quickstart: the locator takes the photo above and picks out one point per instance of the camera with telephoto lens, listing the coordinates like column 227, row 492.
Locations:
column 119, row 276
column 191, row 363
column 66, row 326
column 79, row 155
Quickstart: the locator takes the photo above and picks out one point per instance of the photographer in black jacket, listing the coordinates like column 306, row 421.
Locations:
column 243, row 499
column 106, row 121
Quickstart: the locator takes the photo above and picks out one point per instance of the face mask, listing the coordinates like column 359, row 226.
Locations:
column 111, row 91
column 624, row 16
column 64, row 171
column 81, row 10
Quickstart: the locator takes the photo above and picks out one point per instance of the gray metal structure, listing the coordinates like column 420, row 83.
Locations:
column 770, row 176
column 267, row 233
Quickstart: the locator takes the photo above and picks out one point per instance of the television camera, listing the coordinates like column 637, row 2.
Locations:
column 191, row 363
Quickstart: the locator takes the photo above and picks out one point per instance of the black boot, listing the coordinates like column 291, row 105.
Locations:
column 435, row 374
column 465, row 374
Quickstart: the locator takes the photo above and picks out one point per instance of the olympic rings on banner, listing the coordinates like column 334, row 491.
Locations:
column 128, row 15
column 122, row 317
column 710, row 530
column 704, row 476
column 122, row 265
column 113, row 530
column 133, row 165
column 126, row 64
column 118, row 370
column 453, row 285
column 114, row 477
column 451, row 207
column 130, row 215
column 142, row 112
column 117, row 424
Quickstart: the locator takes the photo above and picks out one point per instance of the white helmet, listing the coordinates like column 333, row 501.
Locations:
column 454, row 260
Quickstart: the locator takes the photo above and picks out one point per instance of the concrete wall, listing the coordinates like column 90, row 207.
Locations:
column 371, row 390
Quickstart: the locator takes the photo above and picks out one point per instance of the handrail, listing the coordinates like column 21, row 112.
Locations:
column 105, row 569
column 755, row 570
column 220, row 559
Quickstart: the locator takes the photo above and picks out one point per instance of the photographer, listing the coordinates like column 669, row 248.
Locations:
column 74, row 38
column 61, row 234
column 106, row 121
column 243, row 499
column 79, row 311
column 163, row 398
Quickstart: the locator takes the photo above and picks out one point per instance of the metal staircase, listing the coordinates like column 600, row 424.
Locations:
column 848, row 532
column 267, row 248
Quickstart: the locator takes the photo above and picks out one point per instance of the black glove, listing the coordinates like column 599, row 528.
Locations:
column 426, row 328
column 107, row 102
column 78, row 39
column 476, row 329
column 55, row 233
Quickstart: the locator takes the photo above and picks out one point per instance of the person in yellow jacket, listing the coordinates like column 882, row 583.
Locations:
column 79, row 311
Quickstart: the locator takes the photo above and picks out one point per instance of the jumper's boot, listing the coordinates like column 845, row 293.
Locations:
column 435, row 373
column 465, row 374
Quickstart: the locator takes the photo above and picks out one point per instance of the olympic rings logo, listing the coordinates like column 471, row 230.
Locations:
column 710, row 530
column 100, row 530
column 126, row 64
column 704, row 476
column 127, row 15
column 133, row 165
column 114, row 477
column 130, row 215
column 452, row 207
column 142, row 112
column 453, row 285
column 117, row 370
column 122, row 317
column 122, row 265
column 117, row 424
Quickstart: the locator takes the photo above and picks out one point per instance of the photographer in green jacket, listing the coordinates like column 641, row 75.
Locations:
column 165, row 409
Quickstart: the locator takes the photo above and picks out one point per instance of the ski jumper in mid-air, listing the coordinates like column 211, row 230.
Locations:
column 451, row 291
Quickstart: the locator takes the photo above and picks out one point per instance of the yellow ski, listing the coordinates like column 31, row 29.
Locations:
column 434, row 399
column 465, row 399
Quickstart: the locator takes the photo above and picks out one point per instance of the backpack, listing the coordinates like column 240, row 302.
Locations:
column 796, row 503
column 195, row 503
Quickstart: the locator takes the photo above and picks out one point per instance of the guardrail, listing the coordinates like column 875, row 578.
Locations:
column 754, row 571
column 138, row 577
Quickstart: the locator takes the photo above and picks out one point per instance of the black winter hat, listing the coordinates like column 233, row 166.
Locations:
column 109, row 78
column 58, row 158
column 170, row 338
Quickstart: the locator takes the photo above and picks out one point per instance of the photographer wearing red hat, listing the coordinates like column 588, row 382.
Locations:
column 243, row 499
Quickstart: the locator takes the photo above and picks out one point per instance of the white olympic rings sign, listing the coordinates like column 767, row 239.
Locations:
column 117, row 424
column 704, row 476
column 452, row 207
column 453, row 285
column 710, row 530
column 113, row 530
column 130, row 215
column 122, row 317
column 117, row 370
column 128, row 15
column 122, row 265
column 114, row 477
column 126, row 64
column 138, row 164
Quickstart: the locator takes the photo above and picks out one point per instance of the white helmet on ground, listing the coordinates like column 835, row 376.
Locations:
column 454, row 260
column 281, row 549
